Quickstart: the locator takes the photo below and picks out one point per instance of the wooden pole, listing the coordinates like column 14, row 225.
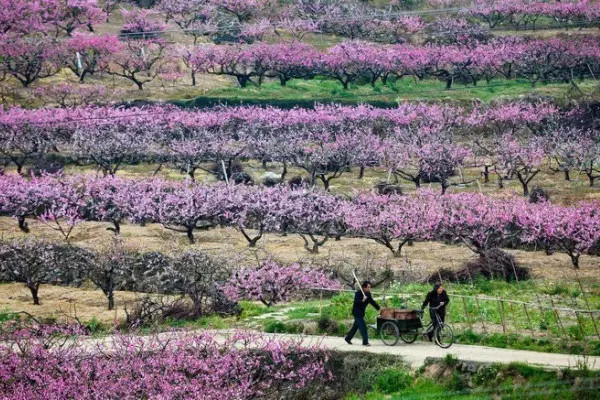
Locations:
column 514, row 317
column 558, row 321
column 587, row 303
column 501, row 308
column 480, row 314
column 320, row 303
column 581, row 328
column 528, row 320
column 467, row 312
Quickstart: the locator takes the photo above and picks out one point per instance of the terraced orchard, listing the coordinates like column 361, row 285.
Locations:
column 193, row 191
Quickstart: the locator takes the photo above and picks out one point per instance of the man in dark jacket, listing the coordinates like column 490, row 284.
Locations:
column 436, row 298
column 361, row 301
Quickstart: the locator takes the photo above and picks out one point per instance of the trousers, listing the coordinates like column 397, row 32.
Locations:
column 359, row 325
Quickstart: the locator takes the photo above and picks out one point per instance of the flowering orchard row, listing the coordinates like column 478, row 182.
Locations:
column 251, row 19
column 415, row 142
column 206, row 285
column 172, row 366
column 480, row 221
column 526, row 13
column 534, row 60
column 141, row 61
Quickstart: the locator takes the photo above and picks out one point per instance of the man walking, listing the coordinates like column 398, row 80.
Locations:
column 437, row 299
column 362, row 298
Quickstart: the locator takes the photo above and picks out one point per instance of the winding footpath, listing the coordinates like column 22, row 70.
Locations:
column 415, row 354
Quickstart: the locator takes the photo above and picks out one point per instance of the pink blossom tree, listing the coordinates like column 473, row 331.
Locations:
column 312, row 215
column 479, row 221
column 22, row 16
column 28, row 59
column 393, row 221
column 572, row 230
column 272, row 283
column 517, row 159
column 89, row 54
column 192, row 16
column 138, row 61
column 65, row 16
column 189, row 207
column 200, row 365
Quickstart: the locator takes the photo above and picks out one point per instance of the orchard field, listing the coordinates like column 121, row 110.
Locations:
column 183, row 182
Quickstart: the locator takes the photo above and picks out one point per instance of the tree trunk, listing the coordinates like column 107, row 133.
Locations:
column 500, row 182
column 524, row 183
column 567, row 175
column 252, row 241
column 361, row 173
column 449, row 83
column 243, row 80
column 34, row 293
column 284, row 172
column 111, row 300
column 444, row 186
column 486, row 174
column 575, row 260
column 23, row 226
column 140, row 85
column 192, row 174
column 193, row 78
column 117, row 227
column 325, row 182
column 190, row 235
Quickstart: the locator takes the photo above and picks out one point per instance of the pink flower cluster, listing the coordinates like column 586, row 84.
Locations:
column 480, row 221
column 196, row 366
column 273, row 283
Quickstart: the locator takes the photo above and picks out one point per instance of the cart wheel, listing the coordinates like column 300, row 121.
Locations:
column 409, row 337
column 389, row 333
column 444, row 336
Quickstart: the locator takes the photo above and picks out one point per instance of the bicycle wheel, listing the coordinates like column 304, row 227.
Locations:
column 409, row 337
column 444, row 336
column 389, row 333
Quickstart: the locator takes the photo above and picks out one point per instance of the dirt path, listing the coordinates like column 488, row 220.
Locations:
column 416, row 353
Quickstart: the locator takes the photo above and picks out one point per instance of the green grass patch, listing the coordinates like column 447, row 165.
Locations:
column 302, row 312
column 251, row 309
column 304, row 93
column 513, row 381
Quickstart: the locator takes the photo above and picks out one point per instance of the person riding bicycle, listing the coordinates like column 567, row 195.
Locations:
column 438, row 300
column 362, row 298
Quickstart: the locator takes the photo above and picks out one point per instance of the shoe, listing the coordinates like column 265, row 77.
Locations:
column 347, row 340
column 367, row 344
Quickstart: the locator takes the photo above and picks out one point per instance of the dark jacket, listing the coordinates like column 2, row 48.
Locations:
column 434, row 299
column 359, row 306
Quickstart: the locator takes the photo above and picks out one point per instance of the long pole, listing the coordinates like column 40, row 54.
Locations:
column 359, row 285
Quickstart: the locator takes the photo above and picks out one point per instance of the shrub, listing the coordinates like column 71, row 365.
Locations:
column 274, row 326
column 392, row 380
column 486, row 375
column 538, row 195
column 328, row 326
column 492, row 264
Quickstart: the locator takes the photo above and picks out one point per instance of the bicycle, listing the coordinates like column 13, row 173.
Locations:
column 393, row 330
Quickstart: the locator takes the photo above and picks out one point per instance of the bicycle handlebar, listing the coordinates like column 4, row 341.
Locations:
column 435, row 308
